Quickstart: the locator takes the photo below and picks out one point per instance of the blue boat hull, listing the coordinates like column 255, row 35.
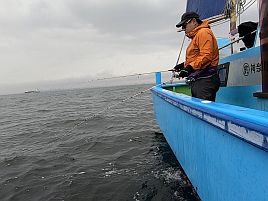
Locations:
column 223, row 149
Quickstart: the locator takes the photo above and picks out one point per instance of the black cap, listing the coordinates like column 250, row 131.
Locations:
column 187, row 16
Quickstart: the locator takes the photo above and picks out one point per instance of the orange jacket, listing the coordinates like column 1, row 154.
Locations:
column 203, row 49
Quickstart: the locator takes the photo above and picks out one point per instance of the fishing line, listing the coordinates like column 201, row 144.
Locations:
column 108, row 108
column 128, row 98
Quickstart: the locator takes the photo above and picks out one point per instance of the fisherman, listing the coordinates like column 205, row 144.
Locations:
column 202, row 57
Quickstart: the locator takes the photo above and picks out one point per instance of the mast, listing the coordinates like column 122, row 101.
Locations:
column 233, row 20
column 233, row 17
column 263, row 13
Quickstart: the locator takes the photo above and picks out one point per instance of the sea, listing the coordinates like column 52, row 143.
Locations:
column 95, row 144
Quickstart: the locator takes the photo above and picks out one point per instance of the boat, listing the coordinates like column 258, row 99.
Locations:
column 222, row 146
column 32, row 91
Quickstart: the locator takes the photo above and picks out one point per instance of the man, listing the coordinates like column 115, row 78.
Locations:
column 202, row 57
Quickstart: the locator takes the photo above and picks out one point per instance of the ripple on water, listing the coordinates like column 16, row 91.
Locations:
column 53, row 149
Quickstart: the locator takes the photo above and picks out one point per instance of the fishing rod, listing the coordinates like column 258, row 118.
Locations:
column 124, row 76
column 139, row 74
column 180, row 50
column 178, row 59
column 127, row 98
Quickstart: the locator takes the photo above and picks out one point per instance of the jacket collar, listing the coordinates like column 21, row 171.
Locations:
column 195, row 30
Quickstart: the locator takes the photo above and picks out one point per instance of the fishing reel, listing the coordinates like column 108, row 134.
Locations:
column 175, row 74
column 189, row 80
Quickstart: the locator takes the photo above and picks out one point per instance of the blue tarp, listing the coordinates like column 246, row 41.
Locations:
column 206, row 8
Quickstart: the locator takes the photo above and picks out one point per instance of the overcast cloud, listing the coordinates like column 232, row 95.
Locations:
column 43, row 40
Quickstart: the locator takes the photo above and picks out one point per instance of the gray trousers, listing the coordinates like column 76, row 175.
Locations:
column 206, row 88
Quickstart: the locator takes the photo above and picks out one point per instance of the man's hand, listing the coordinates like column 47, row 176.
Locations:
column 179, row 67
column 186, row 71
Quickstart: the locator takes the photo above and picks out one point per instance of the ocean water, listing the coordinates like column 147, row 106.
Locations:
column 70, row 145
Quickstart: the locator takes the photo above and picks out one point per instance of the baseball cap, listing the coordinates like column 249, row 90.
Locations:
column 187, row 16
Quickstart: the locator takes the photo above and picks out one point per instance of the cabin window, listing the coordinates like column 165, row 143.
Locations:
column 223, row 70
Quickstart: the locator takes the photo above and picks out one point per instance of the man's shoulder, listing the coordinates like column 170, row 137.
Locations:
column 205, row 32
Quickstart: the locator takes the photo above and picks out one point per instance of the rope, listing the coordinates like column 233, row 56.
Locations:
column 219, row 23
column 241, row 8
column 228, row 6
column 248, row 6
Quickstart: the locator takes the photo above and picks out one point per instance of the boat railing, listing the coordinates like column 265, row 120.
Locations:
column 238, row 39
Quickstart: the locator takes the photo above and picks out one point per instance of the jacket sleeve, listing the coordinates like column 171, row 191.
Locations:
column 204, row 41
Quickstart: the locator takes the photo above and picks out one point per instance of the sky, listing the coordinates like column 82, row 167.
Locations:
column 52, row 44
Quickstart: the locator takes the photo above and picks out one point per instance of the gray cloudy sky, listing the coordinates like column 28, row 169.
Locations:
column 42, row 40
